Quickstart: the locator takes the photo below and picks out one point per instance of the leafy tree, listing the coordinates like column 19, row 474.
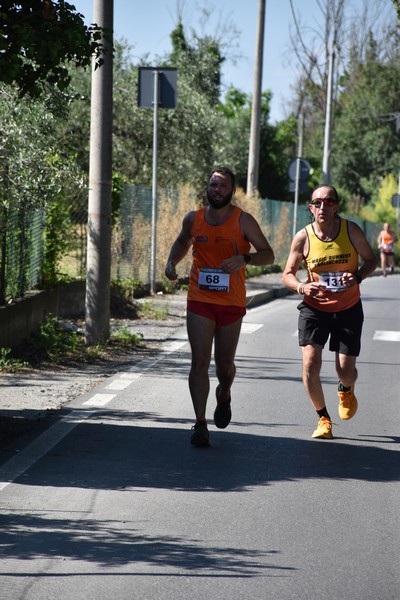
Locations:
column 30, row 176
column 366, row 139
column 351, row 36
column 37, row 38
column 276, row 143
column 200, row 132
column 380, row 210
column 397, row 7
column 34, row 173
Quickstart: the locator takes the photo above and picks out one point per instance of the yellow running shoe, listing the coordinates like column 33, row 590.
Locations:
column 324, row 429
column 347, row 403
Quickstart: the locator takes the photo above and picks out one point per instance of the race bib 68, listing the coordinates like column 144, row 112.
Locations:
column 214, row 280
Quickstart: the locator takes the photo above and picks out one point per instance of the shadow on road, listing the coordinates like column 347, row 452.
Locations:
column 137, row 452
column 161, row 456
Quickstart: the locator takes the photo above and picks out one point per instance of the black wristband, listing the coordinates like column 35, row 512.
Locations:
column 358, row 277
column 247, row 258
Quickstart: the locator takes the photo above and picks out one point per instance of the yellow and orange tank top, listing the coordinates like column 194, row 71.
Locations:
column 325, row 262
column 211, row 245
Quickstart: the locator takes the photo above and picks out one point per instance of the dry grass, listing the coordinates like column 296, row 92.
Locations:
column 169, row 223
column 131, row 245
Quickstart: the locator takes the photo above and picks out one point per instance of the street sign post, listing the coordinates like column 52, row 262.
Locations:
column 157, row 89
column 304, row 167
column 298, row 171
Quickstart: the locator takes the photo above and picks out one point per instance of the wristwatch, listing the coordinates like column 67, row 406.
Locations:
column 247, row 258
column 358, row 277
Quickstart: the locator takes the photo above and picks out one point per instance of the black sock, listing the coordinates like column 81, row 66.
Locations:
column 323, row 413
column 343, row 388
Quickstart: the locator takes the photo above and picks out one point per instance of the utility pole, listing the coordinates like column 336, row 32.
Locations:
column 97, row 307
column 326, row 163
column 300, row 129
column 254, row 143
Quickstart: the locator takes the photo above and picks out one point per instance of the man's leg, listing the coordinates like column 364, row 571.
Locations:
column 226, row 341
column 201, row 334
column 347, row 372
column 383, row 263
column 312, row 362
column 346, row 369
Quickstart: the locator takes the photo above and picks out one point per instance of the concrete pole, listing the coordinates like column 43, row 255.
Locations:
column 326, row 162
column 298, row 171
column 254, row 142
column 97, row 318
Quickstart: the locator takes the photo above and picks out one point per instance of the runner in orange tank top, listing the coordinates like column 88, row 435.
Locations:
column 331, row 307
column 386, row 241
column 221, row 236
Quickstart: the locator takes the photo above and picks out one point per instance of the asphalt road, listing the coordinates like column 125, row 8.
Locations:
column 111, row 500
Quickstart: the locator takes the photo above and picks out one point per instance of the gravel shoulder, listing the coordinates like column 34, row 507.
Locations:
column 29, row 396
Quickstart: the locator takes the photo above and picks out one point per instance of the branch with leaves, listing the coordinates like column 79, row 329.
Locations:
column 38, row 38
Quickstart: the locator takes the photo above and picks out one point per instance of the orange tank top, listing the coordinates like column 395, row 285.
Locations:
column 212, row 244
column 387, row 241
column 325, row 262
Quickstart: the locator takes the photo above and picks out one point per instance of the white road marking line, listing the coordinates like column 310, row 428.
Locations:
column 169, row 347
column 20, row 463
column 250, row 327
column 118, row 384
column 99, row 400
column 131, row 376
column 387, row 336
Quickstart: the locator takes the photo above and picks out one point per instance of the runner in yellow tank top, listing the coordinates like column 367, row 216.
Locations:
column 220, row 236
column 331, row 306
column 327, row 261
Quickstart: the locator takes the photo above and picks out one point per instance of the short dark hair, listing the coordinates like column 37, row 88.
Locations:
column 330, row 187
column 224, row 171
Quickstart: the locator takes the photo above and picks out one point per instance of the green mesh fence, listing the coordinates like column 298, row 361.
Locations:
column 22, row 238
column 21, row 251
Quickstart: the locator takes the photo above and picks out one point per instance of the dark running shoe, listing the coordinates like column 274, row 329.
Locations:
column 223, row 412
column 200, row 436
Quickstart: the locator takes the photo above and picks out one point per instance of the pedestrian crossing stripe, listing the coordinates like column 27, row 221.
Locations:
column 387, row 336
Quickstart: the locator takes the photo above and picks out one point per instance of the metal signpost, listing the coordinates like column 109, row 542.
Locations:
column 157, row 89
column 298, row 171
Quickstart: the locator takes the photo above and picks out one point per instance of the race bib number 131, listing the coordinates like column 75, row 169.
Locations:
column 333, row 281
column 214, row 280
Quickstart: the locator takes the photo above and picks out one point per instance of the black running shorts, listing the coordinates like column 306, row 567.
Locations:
column 344, row 328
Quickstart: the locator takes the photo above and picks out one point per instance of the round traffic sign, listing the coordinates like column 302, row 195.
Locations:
column 304, row 169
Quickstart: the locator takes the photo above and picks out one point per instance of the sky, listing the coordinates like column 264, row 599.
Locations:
column 147, row 24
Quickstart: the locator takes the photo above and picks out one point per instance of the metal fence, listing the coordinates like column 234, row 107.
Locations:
column 22, row 238
column 22, row 247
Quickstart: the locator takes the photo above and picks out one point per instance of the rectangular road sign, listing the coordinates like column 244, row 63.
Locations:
column 167, row 84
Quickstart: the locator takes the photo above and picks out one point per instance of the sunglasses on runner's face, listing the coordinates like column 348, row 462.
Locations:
column 327, row 202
